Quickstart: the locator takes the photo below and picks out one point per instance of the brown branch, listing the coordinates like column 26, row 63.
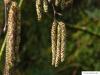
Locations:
column 84, row 30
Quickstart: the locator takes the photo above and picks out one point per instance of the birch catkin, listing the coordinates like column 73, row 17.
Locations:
column 63, row 39
column 58, row 45
column 58, row 38
column 45, row 5
column 10, row 40
column 38, row 9
column 54, row 40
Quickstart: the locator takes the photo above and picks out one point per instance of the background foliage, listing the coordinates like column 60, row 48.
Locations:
column 82, row 20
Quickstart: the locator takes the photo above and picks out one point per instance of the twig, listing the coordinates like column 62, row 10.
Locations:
column 20, row 3
column 2, row 48
column 84, row 30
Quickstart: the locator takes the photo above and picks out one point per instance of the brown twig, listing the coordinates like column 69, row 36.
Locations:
column 84, row 30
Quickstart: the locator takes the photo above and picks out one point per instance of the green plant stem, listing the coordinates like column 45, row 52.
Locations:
column 2, row 48
column 20, row 3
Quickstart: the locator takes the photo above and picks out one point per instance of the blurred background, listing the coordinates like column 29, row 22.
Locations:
column 82, row 20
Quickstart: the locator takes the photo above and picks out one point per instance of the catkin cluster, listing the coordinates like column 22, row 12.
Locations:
column 58, row 35
column 12, row 38
column 41, row 5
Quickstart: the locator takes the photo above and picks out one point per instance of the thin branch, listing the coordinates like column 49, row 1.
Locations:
column 2, row 48
column 20, row 3
column 84, row 30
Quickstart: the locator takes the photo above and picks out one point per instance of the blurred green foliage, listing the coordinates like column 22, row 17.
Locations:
column 82, row 20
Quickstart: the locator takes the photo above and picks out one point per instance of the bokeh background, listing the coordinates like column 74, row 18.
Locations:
column 82, row 20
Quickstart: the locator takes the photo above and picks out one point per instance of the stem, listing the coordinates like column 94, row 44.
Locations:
column 2, row 48
column 84, row 30
column 20, row 3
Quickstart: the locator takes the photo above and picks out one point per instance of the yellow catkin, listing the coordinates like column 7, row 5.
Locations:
column 45, row 5
column 38, row 9
column 10, row 40
column 58, row 45
column 63, row 39
column 53, row 41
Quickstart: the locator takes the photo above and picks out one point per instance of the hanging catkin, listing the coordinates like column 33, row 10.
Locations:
column 45, row 5
column 54, row 40
column 38, row 9
column 63, row 39
column 58, row 39
column 58, row 45
column 11, row 38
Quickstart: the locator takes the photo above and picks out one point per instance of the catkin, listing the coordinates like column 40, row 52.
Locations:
column 58, row 38
column 10, row 40
column 58, row 45
column 38, row 9
column 45, row 5
column 63, row 39
column 53, row 40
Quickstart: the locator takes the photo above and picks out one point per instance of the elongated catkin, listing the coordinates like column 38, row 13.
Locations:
column 45, row 5
column 10, row 40
column 63, row 40
column 38, row 9
column 58, row 45
column 54, row 41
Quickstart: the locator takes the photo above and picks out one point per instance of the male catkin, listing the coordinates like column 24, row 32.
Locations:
column 63, row 39
column 10, row 40
column 58, row 45
column 45, row 5
column 38, row 9
column 54, row 40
